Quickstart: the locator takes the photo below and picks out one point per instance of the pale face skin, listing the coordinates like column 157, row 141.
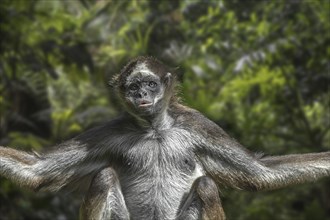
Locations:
column 143, row 90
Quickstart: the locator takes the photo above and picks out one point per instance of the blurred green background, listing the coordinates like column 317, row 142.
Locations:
column 260, row 69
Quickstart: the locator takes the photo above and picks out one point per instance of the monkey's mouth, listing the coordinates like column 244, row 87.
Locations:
column 144, row 104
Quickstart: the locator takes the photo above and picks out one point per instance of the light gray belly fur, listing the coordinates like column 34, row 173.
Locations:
column 157, row 174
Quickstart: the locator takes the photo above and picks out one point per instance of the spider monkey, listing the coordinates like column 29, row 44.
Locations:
column 158, row 160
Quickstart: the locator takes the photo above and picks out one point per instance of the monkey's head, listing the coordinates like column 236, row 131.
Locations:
column 145, row 86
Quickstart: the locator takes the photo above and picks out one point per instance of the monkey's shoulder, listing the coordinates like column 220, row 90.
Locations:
column 195, row 122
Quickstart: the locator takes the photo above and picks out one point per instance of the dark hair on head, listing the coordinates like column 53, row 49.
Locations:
column 152, row 63
column 156, row 66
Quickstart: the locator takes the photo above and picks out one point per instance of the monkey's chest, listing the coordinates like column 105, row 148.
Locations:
column 156, row 173
column 157, row 155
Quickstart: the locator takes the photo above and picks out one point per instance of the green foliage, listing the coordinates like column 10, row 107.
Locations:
column 258, row 68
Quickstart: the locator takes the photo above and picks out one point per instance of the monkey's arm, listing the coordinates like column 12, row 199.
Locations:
column 51, row 171
column 69, row 164
column 230, row 164
column 14, row 165
column 236, row 168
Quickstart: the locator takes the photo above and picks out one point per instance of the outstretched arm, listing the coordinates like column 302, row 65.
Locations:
column 228, row 163
column 14, row 165
column 244, row 171
column 68, row 163
column 303, row 167
column 51, row 171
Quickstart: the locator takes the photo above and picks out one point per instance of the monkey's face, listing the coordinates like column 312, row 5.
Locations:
column 144, row 91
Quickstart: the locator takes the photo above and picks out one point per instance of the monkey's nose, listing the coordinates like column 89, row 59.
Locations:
column 142, row 94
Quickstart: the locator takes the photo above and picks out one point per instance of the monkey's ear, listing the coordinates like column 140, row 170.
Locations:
column 114, row 81
column 168, row 78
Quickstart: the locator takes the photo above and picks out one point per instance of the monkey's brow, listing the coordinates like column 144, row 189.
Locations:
column 143, row 78
column 142, row 71
column 150, row 77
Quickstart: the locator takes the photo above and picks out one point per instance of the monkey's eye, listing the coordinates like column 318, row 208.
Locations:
column 133, row 87
column 152, row 84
